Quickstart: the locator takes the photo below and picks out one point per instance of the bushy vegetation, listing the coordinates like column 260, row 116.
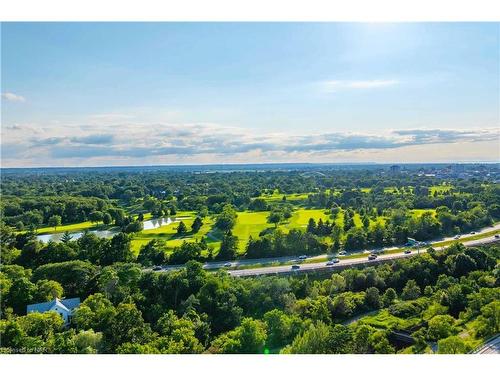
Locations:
column 447, row 301
column 433, row 298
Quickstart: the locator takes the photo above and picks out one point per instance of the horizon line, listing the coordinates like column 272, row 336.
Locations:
column 368, row 163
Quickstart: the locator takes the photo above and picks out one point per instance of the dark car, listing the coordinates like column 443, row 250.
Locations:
column 407, row 251
column 332, row 262
column 295, row 267
column 372, row 257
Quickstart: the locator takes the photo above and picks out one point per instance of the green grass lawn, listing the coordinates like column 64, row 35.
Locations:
column 419, row 212
column 440, row 189
column 169, row 232
column 250, row 224
column 276, row 197
column 301, row 217
column 357, row 220
column 77, row 227
column 71, row 227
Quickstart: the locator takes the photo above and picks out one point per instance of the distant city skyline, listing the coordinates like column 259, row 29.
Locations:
column 111, row 94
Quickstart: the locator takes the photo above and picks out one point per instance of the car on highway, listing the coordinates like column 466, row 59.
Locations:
column 332, row 262
column 302, row 257
column 456, row 237
column 472, row 232
column 497, row 235
column 295, row 267
column 372, row 257
column 227, row 264
column 407, row 251
column 342, row 252
column 157, row 268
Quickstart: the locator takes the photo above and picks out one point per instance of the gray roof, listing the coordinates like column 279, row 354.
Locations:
column 66, row 304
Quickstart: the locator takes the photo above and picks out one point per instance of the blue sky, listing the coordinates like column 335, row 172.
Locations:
column 166, row 93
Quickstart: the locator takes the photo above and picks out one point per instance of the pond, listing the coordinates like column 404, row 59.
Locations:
column 108, row 233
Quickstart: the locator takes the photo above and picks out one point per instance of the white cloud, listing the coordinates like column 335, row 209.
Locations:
column 337, row 85
column 205, row 142
column 11, row 97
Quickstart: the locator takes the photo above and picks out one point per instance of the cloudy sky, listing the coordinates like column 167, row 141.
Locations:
column 144, row 94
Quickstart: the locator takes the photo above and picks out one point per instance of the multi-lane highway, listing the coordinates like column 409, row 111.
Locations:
column 263, row 266
column 491, row 346
column 344, row 263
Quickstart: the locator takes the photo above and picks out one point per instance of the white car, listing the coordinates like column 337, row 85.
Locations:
column 457, row 237
column 342, row 252
column 302, row 257
column 227, row 264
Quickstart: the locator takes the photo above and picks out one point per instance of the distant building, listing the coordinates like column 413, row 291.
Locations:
column 64, row 307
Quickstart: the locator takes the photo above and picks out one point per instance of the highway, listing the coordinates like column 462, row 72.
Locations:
column 344, row 263
column 492, row 346
column 261, row 268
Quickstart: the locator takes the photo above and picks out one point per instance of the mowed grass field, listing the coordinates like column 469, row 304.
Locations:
column 77, row 227
column 71, row 227
column 169, row 232
column 439, row 189
column 301, row 217
column 251, row 224
column 248, row 224
column 275, row 197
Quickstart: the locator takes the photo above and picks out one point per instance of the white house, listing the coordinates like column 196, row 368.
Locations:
column 64, row 307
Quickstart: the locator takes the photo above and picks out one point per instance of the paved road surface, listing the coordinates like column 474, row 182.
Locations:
column 345, row 263
column 492, row 346
column 322, row 265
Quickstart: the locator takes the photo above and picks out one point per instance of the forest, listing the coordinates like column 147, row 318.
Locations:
column 95, row 235
column 445, row 302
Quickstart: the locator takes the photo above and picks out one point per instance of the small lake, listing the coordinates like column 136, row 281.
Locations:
column 56, row 237
column 108, row 233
